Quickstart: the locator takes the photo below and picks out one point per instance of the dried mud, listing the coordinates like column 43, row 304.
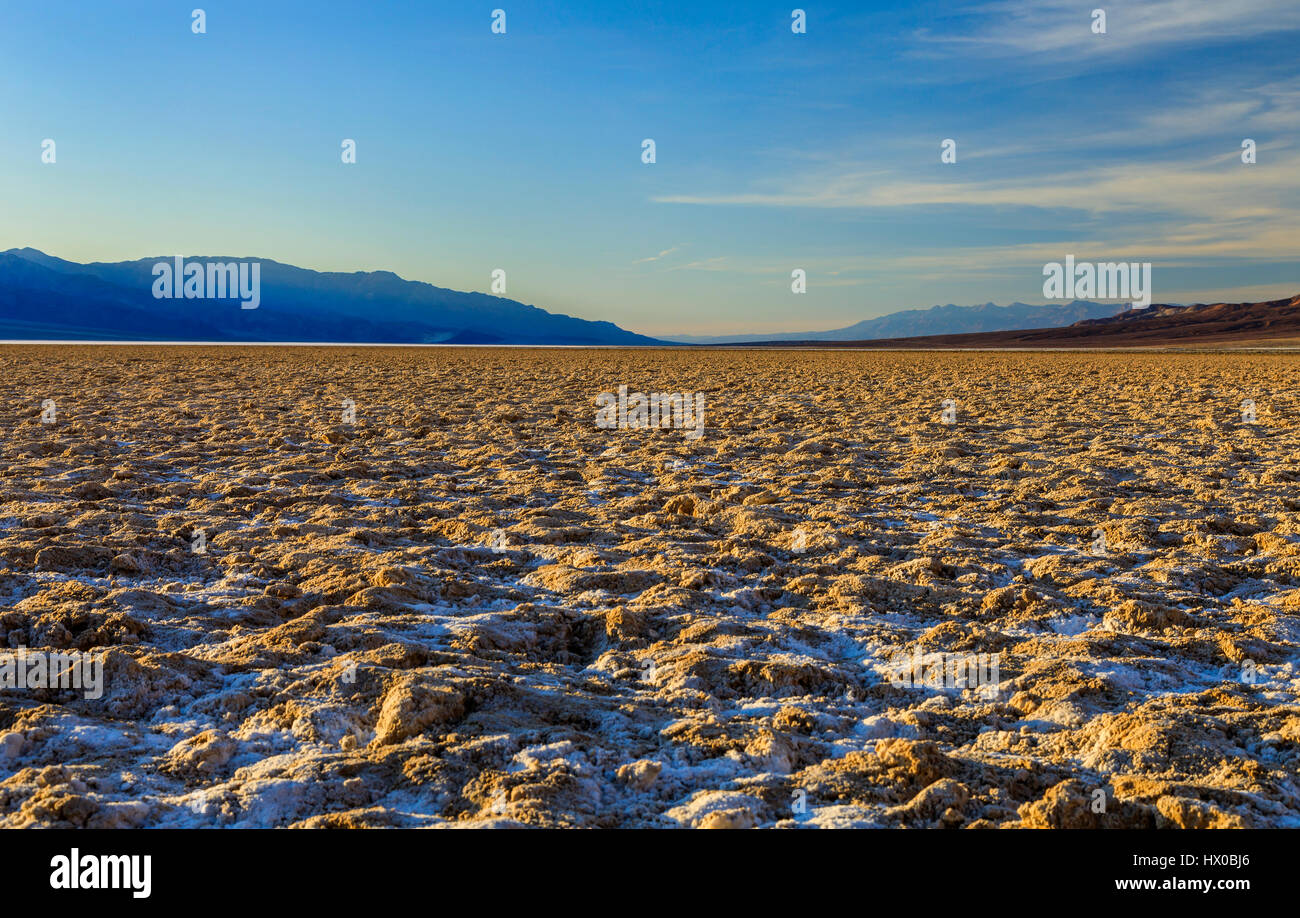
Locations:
column 473, row 606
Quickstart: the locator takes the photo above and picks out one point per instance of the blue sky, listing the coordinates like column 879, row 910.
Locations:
column 775, row 151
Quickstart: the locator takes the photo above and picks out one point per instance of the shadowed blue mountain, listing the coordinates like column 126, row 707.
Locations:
column 43, row 297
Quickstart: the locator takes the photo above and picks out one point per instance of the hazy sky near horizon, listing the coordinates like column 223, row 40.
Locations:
column 774, row 150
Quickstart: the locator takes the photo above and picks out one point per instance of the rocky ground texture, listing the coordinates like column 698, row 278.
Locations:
column 473, row 606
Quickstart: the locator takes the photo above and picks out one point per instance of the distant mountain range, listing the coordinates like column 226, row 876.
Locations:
column 937, row 320
column 1272, row 323
column 43, row 297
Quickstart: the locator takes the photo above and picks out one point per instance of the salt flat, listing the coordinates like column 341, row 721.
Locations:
column 470, row 604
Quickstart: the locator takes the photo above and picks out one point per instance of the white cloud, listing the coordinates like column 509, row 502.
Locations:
column 1056, row 27
column 1216, row 206
column 663, row 254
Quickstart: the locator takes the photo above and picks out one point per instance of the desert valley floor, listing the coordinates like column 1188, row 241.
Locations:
column 473, row 606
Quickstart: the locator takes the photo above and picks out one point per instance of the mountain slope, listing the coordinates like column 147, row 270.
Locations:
column 937, row 320
column 1270, row 323
column 42, row 296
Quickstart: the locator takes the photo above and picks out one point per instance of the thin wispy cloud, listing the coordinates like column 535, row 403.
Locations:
column 717, row 263
column 664, row 254
column 1049, row 27
column 1099, row 190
